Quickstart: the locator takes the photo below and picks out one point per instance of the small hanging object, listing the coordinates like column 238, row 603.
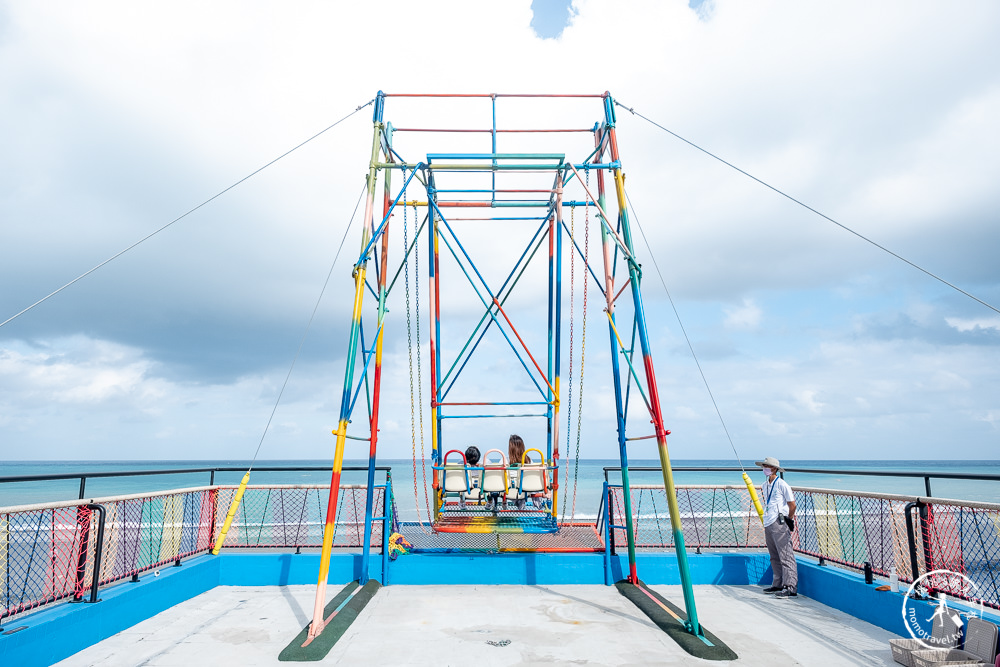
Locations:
column 398, row 546
column 232, row 513
column 753, row 496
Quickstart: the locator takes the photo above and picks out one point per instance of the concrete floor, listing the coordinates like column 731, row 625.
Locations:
column 453, row 625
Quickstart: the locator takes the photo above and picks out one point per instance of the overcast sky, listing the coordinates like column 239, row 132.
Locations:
column 117, row 117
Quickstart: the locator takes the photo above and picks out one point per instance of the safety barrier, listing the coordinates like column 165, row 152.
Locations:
column 848, row 528
column 51, row 552
column 294, row 516
column 711, row 516
column 963, row 538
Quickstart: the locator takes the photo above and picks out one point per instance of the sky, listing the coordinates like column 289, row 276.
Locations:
column 120, row 117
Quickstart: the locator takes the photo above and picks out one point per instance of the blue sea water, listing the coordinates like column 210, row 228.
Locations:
column 588, row 479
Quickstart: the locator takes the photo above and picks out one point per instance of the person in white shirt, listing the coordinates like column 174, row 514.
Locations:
column 779, row 522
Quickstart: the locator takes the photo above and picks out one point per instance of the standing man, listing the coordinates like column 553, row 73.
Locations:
column 779, row 522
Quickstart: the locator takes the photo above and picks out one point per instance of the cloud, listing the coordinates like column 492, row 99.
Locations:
column 747, row 316
column 981, row 323
column 121, row 117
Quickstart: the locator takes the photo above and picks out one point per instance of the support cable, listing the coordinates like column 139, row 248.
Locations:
column 684, row 331
column 241, row 489
column 746, row 478
column 181, row 217
column 305, row 333
column 810, row 208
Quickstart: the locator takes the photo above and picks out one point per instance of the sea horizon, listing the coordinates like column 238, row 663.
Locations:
column 588, row 479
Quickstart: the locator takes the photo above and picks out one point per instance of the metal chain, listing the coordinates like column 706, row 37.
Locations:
column 569, row 379
column 409, row 347
column 583, row 348
column 420, row 380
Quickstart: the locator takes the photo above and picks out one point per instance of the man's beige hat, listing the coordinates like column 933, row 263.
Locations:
column 770, row 462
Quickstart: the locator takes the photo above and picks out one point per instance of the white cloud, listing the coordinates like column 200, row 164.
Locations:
column 807, row 398
column 767, row 424
column 964, row 324
column 119, row 117
column 746, row 316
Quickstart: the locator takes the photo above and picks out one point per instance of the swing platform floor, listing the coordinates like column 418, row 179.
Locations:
column 527, row 625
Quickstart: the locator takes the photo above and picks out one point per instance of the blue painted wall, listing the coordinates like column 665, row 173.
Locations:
column 848, row 592
column 57, row 632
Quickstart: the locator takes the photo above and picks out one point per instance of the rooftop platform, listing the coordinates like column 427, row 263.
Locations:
column 440, row 625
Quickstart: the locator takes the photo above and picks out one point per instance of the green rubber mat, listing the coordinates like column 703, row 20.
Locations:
column 336, row 627
column 670, row 618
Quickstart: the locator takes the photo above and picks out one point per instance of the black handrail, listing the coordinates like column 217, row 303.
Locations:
column 911, row 537
column 98, row 552
column 85, row 548
column 83, row 477
column 926, row 476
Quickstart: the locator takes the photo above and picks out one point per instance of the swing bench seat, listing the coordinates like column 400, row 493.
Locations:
column 498, row 486
column 461, row 480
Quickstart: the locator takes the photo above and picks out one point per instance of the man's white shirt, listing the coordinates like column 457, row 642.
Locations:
column 777, row 495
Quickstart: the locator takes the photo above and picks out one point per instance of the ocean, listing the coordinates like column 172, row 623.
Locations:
column 588, row 482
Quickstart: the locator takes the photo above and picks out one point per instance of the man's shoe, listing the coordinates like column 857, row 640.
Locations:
column 772, row 589
column 786, row 592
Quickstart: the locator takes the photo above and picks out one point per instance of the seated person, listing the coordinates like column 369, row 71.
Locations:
column 516, row 451
column 515, row 454
column 472, row 456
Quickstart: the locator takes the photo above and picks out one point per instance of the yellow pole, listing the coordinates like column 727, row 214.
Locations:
column 753, row 497
column 232, row 512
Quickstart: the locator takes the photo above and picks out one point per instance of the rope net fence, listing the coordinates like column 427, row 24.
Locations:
column 842, row 527
column 39, row 556
column 47, row 553
column 962, row 540
column 294, row 516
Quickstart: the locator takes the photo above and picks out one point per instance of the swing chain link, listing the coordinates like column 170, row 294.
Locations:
column 409, row 347
column 583, row 346
column 569, row 378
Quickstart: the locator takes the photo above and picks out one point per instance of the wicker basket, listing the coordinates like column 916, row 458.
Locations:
column 937, row 657
column 902, row 650
column 945, row 634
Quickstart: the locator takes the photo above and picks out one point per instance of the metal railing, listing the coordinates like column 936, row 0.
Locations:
column 83, row 477
column 67, row 550
column 913, row 535
column 913, row 474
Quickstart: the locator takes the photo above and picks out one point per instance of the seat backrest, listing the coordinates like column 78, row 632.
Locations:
column 455, row 478
column 981, row 639
column 945, row 631
column 533, row 474
column 494, row 472
column 533, row 478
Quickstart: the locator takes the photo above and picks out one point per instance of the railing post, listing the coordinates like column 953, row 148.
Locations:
column 386, row 527
column 213, row 498
column 926, row 517
column 911, row 538
column 98, row 552
column 927, row 486
column 83, row 486
column 83, row 523
column 608, row 576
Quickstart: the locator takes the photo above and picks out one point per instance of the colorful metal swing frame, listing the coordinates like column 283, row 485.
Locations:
column 504, row 205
